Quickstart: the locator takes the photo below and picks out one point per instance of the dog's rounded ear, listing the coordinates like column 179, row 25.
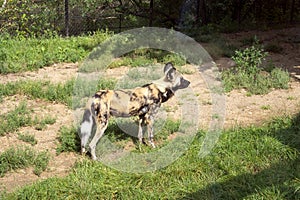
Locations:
column 169, row 71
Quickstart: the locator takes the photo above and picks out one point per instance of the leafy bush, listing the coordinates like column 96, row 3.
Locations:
column 249, row 75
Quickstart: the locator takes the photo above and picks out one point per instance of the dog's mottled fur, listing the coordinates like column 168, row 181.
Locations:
column 141, row 101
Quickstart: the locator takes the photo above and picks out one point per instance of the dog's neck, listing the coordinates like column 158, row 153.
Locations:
column 161, row 85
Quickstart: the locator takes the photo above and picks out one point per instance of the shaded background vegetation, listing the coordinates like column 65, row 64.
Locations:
column 74, row 17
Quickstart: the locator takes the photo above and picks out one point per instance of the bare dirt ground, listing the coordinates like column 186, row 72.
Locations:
column 241, row 109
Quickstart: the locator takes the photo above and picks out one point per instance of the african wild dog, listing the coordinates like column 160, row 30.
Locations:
column 141, row 101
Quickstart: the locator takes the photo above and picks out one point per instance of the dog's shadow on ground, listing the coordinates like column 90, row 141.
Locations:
column 123, row 132
column 247, row 184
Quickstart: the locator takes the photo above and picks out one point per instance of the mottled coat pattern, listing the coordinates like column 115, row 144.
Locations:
column 141, row 101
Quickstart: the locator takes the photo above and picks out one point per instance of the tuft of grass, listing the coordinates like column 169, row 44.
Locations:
column 20, row 158
column 246, row 163
column 41, row 124
column 69, row 140
column 21, row 116
column 12, row 121
column 27, row 138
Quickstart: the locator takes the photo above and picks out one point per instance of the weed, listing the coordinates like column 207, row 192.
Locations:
column 12, row 121
column 266, row 107
column 27, row 138
column 280, row 78
column 69, row 140
column 18, row 158
column 249, row 75
column 21, row 116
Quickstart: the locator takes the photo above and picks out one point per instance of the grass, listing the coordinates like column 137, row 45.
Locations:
column 20, row 158
column 18, row 54
column 146, row 57
column 39, row 90
column 69, row 140
column 27, row 138
column 62, row 93
column 247, row 163
column 21, row 116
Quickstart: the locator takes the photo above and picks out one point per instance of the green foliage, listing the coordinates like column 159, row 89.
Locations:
column 41, row 124
column 28, row 18
column 246, row 163
column 20, row 158
column 146, row 57
column 21, row 116
column 12, row 121
column 27, row 138
column 69, row 140
column 249, row 75
column 249, row 60
column 20, row 54
column 40, row 90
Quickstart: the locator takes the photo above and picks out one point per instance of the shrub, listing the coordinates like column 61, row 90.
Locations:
column 249, row 75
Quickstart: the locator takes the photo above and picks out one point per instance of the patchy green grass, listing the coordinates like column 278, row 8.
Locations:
column 62, row 93
column 21, row 116
column 20, row 158
column 246, row 163
column 146, row 57
column 18, row 54
column 27, row 138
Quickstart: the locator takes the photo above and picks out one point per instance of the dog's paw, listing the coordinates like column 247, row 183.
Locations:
column 83, row 151
column 152, row 145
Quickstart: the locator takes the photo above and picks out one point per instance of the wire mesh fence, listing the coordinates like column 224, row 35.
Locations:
column 67, row 17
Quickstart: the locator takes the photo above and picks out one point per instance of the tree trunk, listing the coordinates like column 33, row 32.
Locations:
column 292, row 11
column 151, row 13
column 201, row 17
column 67, row 17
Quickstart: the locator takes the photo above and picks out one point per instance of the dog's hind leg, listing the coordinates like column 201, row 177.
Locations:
column 140, row 130
column 99, row 133
column 86, row 129
column 102, row 123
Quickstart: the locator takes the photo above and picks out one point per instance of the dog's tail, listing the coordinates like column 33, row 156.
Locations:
column 86, row 128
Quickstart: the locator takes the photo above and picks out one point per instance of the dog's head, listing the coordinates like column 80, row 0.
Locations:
column 174, row 79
